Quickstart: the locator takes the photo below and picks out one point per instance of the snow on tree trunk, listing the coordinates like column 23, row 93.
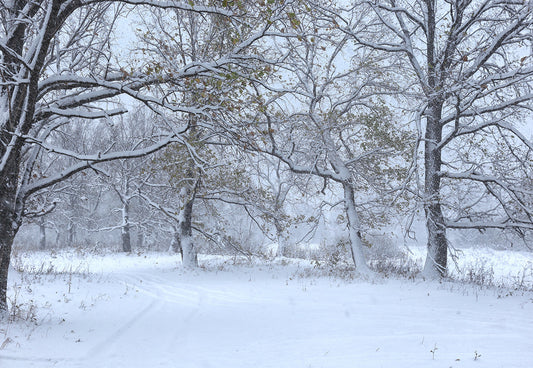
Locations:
column 436, row 259
column 175, row 245
column 354, row 228
column 188, row 249
column 126, row 237
column 71, row 233
column 280, row 238
column 354, row 224
column 189, row 254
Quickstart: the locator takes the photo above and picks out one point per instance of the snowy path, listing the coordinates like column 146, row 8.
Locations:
column 164, row 317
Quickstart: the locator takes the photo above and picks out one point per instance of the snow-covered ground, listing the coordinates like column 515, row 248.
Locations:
column 145, row 311
column 503, row 267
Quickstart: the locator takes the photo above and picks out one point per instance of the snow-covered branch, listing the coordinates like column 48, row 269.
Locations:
column 89, row 160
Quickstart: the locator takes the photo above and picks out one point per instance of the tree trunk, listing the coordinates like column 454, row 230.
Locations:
column 9, row 225
column 437, row 246
column 354, row 228
column 435, row 265
column 189, row 252
column 140, row 238
column 281, row 239
column 126, row 236
column 175, row 245
column 42, row 234
column 71, row 233
column 7, row 235
column 58, row 239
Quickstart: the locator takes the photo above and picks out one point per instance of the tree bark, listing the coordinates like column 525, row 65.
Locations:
column 354, row 224
column 13, row 110
column 189, row 252
column 354, row 229
column 7, row 235
column 9, row 225
column 175, row 245
column 71, row 233
column 125, row 231
column 280, row 238
column 437, row 246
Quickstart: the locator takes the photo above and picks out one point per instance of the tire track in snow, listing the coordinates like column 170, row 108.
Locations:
column 94, row 352
column 157, row 287
column 154, row 317
column 170, row 300
column 171, row 291
column 29, row 359
column 112, row 339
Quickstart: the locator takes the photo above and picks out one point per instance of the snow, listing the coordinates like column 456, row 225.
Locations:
column 270, row 249
column 507, row 268
column 145, row 310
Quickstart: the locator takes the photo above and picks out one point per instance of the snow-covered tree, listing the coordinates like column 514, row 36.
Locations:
column 466, row 65
column 127, row 178
column 58, row 61
column 323, row 115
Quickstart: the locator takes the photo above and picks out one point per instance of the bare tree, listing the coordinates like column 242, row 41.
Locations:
column 127, row 178
column 277, row 182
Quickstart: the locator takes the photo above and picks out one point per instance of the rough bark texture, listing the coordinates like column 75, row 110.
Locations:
column 437, row 255
column 7, row 234
column 12, row 103
column 9, row 224
column 437, row 246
